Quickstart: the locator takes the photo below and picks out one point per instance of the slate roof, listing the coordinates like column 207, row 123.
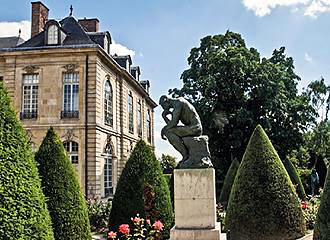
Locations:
column 9, row 42
column 75, row 35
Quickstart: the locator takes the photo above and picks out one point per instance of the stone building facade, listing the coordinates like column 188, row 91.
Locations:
column 65, row 77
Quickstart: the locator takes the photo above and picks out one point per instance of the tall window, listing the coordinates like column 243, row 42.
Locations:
column 72, row 150
column 108, row 114
column 148, row 126
column 52, row 34
column 30, row 96
column 108, row 170
column 139, row 118
column 71, row 95
column 130, row 113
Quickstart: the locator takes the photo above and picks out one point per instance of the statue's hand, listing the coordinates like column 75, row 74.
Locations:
column 163, row 133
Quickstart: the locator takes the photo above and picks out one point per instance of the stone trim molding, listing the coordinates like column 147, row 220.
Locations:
column 31, row 69
column 70, row 68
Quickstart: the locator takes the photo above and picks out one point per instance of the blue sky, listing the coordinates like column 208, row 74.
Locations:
column 161, row 33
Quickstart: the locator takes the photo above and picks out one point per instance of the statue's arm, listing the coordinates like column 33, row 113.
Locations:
column 164, row 115
column 175, row 115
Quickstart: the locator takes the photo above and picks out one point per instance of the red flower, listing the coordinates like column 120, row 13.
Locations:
column 304, row 205
column 158, row 225
column 124, row 229
column 112, row 235
column 148, row 221
column 136, row 219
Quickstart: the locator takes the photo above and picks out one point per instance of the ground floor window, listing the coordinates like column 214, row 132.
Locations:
column 108, row 176
column 72, row 150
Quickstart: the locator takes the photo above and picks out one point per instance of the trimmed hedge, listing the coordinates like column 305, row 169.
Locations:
column 263, row 204
column 23, row 211
column 294, row 176
column 322, row 225
column 141, row 189
column 228, row 183
column 66, row 204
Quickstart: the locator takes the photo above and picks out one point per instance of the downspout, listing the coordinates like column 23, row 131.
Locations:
column 86, row 128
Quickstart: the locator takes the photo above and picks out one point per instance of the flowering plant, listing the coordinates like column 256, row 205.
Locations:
column 143, row 230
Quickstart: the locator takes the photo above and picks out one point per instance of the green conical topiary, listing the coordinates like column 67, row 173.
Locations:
column 322, row 224
column 23, row 211
column 229, row 181
column 141, row 189
column 294, row 176
column 66, row 204
column 263, row 204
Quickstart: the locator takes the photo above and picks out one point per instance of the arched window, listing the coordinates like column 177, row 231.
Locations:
column 72, row 149
column 53, row 34
column 108, row 189
column 108, row 115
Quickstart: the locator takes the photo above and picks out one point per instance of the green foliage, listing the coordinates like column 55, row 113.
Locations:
column 322, row 226
column 263, row 204
column 66, row 204
column 229, row 180
column 98, row 213
column 141, row 189
column 294, row 176
column 168, row 163
column 234, row 89
column 23, row 211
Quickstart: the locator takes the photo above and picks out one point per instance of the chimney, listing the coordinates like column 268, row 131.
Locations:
column 90, row 25
column 39, row 17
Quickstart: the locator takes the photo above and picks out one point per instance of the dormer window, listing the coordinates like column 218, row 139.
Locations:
column 52, row 34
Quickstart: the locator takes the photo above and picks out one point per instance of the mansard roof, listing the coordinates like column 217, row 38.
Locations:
column 9, row 42
column 74, row 35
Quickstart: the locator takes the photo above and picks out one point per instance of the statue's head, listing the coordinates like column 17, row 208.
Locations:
column 164, row 102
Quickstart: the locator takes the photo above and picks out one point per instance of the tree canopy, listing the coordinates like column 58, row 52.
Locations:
column 234, row 89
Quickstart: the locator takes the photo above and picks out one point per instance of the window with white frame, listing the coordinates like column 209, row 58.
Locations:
column 53, row 34
column 71, row 148
column 108, row 113
column 71, row 95
column 108, row 188
column 139, row 118
column 30, row 96
column 148, row 126
column 130, row 113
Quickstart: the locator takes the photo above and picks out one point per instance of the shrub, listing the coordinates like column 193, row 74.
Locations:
column 98, row 213
column 141, row 189
column 23, row 211
column 263, row 204
column 228, row 183
column 294, row 176
column 322, row 225
column 66, row 204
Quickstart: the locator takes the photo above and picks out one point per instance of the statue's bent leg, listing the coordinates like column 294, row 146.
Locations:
column 177, row 143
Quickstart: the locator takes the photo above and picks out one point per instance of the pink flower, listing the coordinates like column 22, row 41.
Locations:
column 136, row 219
column 158, row 225
column 148, row 221
column 112, row 235
column 124, row 229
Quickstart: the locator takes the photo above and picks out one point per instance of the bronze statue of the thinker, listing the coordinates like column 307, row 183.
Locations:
column 187, row 138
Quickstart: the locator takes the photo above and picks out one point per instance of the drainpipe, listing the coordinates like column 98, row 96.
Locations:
column 86, row 128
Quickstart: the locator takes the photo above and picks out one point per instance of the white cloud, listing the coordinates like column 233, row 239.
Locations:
column 317, row 6
column 264, row 7
column 310, row 8
column 11, row 29
column 117, row 48
column 308, row 58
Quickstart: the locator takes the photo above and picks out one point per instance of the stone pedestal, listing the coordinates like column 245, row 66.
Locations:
column 195, row 207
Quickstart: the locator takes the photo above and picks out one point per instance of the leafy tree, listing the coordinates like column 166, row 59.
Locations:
column 141, row 189
column 23, row 211
column 66, row 204
column 263, row 204
column 234, row 89
column 322, row 224
column 168, row 163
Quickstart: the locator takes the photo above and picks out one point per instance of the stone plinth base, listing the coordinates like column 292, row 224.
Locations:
column 194, row 201
column 196, row 234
